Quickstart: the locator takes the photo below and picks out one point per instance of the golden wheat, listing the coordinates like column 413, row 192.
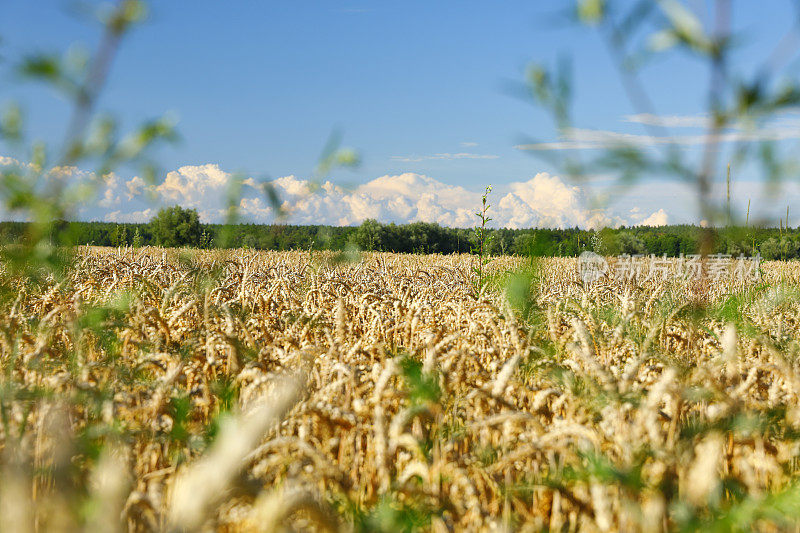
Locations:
column 354, row 385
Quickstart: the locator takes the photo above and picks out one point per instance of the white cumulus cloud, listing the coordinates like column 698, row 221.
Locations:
column 402, row 198
column 659, row 218
column 543, row 201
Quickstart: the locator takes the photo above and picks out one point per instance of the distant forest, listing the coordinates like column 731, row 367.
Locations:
column 421, row 237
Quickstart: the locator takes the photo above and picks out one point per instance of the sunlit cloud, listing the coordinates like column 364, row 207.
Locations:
column 544, row 200
column 659, row 218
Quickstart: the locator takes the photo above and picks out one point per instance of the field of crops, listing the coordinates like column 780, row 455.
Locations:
column 247, row 391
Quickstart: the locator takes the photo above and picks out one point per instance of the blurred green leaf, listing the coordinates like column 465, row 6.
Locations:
column 591, row 11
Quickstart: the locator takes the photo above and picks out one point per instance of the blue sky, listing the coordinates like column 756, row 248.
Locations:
column 418, row 88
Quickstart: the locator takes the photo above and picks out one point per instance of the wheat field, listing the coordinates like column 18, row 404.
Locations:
column 155, row 390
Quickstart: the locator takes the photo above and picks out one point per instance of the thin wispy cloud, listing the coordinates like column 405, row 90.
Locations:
column 469, row 144
column 786, row 128
column 442, row 156
column 670, row 121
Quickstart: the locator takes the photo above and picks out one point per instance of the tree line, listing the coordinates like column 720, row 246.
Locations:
column 175, row 227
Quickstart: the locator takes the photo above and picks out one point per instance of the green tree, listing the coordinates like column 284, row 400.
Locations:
column 778, row 248
column 629, row 243
column 120, row 236
column 176, row 226
column 137, row 239
column 369, row 235
column 524, row 243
